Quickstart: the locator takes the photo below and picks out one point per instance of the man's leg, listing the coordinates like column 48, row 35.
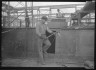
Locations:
column 40, row 51
column 47, row 44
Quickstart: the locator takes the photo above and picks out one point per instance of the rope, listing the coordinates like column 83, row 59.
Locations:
column 52, row 34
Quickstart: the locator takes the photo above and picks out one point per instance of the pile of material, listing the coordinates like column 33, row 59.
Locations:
column 89, row 64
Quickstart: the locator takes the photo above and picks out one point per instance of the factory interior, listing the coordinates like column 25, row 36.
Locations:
column 72, row 47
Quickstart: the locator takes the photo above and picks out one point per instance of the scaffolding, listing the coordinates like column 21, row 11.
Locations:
column 29, row 13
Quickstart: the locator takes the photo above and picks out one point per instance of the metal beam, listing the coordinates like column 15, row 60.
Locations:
column 44, row 14
column 51, row 6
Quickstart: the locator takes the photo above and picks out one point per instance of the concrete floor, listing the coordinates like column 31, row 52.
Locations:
column 51, row 61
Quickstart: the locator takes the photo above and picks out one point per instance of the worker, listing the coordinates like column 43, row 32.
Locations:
column 41, row 29
column 59, row 14
column 27, row 20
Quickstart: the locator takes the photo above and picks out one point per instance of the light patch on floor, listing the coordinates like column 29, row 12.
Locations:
column 52, row 65
column 51, row 61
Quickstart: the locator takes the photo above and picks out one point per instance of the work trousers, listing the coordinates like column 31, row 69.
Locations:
column 42, row 48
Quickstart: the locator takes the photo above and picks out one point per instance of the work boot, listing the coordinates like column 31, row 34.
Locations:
column 43, row 63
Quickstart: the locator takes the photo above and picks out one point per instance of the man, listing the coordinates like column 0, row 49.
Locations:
column 27, row 20
column 59, row 14
column 41, row 29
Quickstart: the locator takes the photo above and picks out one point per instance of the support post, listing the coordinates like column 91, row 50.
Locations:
column 8, row 14
column 79, row 19
column 90, row 17
column 26, row 48
column 75, row 8
column 32, row 14
column 20, row 23
column 50, row 12
column 25, row 13
column 38, row 14
column 27, row 21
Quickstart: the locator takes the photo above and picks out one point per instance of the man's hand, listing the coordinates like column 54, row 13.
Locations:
column 54, row 32
column 43, row 36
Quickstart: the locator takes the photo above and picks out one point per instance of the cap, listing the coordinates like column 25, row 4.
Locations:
column 44, row 18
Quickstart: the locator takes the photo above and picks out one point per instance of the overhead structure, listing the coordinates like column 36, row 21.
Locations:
column 88, row 8
column 10, row 15
column 5, row 7
column 79, row 14
column 26, row 11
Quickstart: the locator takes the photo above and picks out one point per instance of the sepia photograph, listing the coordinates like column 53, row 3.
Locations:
column 47, row 34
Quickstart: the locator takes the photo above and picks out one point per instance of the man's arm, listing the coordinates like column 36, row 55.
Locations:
column 37, row 29
column 50, row 31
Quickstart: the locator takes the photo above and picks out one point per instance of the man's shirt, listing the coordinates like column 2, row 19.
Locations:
column 41, row 29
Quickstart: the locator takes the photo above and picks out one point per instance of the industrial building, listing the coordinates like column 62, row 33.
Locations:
column 73, row 47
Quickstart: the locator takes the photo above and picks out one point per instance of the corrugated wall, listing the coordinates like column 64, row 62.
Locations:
column 86, row 44
column 76, row 43
column 65, row 44
column 21, row 43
